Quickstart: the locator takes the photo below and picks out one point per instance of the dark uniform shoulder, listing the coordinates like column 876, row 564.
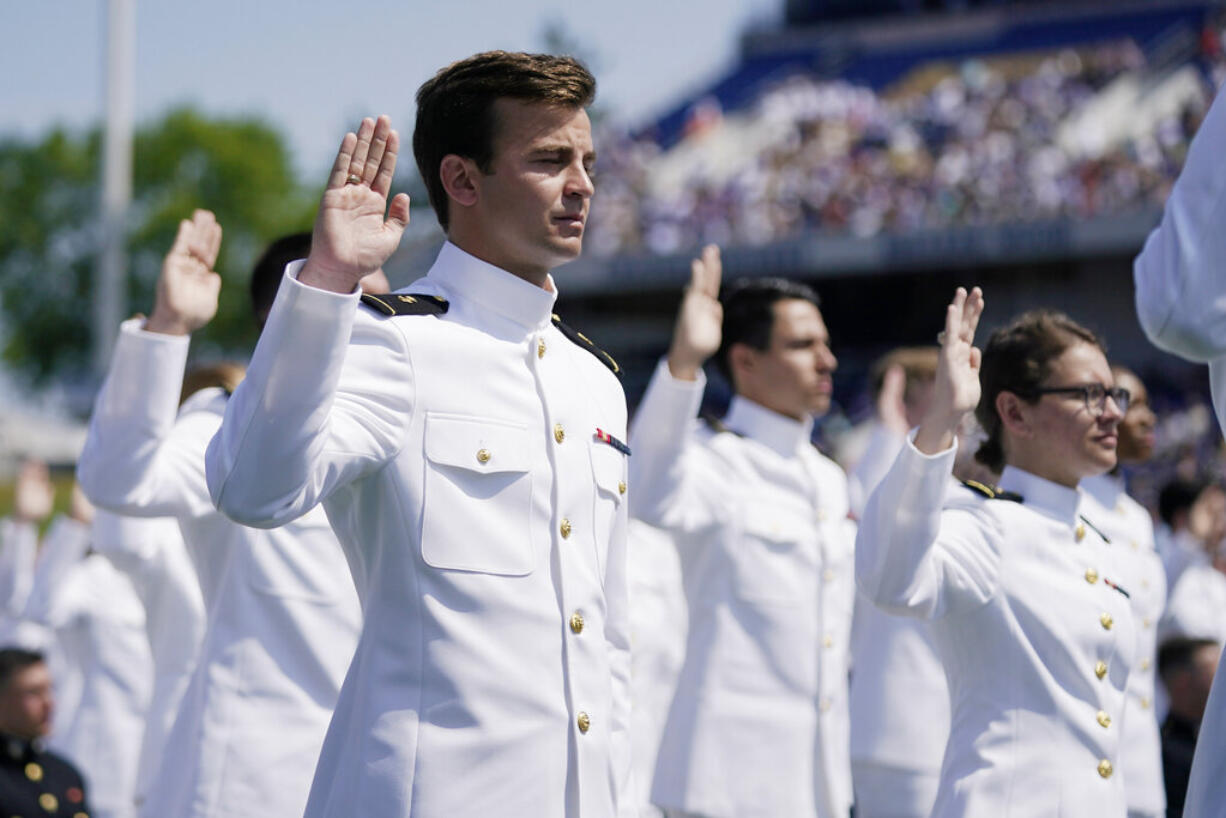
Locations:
column 406, row 304
column 583, row 341
column 36, row 782
column 993, row 492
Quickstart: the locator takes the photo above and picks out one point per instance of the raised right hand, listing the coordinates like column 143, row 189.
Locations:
column 700, row 320
column 188, row 288
column 34, row 495
column 352, row 238
column 955, row 389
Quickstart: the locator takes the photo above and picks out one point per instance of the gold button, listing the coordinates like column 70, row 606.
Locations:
column 821, row 515
column 1144, row 583
column 1091, row 576
column 34, row 772
column 1106, row 621
column 565, row 528
column 1145, row 702
column 828, row 641
column 559, row 434
column 540, row 347
column 824, row 705
column 621, row 486
column 1103, row 718
column 584, row 722
column 1144, row 664
column 1100, row 669
column 1105, row 769
column 1146, row 622
column 48, row 802
column 483, row 456
column 1079, row 532
column 1134, row 545
column 827, row 575
column 576, row 622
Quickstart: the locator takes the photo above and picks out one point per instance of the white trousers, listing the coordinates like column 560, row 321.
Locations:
column 892, row 792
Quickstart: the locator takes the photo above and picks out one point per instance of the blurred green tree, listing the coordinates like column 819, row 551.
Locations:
column 240, row 168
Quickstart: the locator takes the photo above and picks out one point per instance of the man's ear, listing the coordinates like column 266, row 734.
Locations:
column 742, row 360
column 1013, row 414
column 461, row 179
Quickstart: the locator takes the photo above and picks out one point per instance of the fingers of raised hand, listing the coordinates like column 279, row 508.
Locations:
column 344, row 157
column 706, row 271
column 378, row 149
column 366, row 133
column 386, row 169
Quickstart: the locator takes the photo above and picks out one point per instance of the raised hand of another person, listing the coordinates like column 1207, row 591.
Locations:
column 352, row 237
column 698, row 331
column 34, row 494
column 891, row 406
column 81, row 510
column 955, row 389
column 188, row 288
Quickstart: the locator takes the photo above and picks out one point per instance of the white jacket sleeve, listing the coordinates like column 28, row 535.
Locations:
column 18, row 545
column 54, row 601
column 1181, row 272
column 914, row 556
column 327, row 399
column 663, row 473
column 139, row 458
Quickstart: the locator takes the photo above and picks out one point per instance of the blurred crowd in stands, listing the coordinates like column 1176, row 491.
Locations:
column 1068, row 133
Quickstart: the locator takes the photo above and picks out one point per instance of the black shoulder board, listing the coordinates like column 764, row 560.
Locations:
column 406, row 304
column 585, row 342
column 992, row 492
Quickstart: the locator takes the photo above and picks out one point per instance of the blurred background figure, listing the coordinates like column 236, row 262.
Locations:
column 1197, row 601
column 33, row 780
column 658, row 625
column 33, row 496
column 1129, row 527
column 93, row 619
column 1187, row 668
column 899, row 699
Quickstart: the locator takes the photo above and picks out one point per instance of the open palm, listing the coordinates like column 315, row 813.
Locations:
column 353, row 236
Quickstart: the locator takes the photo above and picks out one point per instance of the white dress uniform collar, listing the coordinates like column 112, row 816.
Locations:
column 773, row 430
column 1107, row 489
column 494, row 288
column 1044, row 496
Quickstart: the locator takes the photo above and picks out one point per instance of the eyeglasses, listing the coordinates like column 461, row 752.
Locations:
column 1094, row 394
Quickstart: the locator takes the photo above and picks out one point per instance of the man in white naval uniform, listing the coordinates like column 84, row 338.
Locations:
column 758, row 724
column 470, row 456
column 283, row 617
column 1181, row 303
column 1128, row 526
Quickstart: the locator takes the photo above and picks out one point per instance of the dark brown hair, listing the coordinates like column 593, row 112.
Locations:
column 455, row 107
column 1017, row 359
column 749, row 314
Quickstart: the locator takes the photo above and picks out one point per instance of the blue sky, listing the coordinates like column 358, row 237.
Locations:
column 313, row 68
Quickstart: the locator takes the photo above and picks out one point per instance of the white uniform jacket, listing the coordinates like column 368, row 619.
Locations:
column 151, row 553
column 758, row 725
column 1036, row 637
column 283, row 616
column 1130, row 529
column 98, row 626
column 461, row 461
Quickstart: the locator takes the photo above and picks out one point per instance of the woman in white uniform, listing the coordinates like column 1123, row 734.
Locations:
column 1030, row 616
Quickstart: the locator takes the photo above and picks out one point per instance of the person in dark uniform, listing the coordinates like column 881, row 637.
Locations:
column 33, row 781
